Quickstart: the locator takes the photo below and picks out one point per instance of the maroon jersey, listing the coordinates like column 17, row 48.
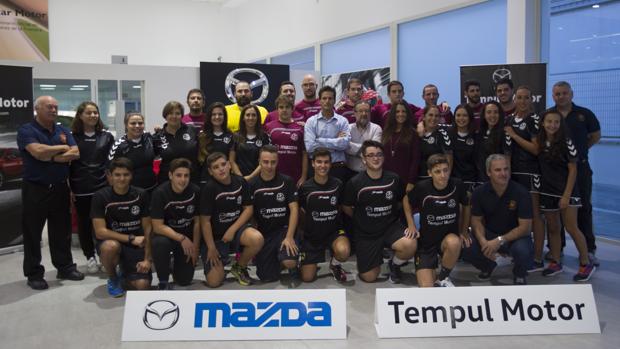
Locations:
column 477, row 110
column 445, row 116
column 347, row 111
column 196, row 121
column 379, row 113
column 273, row 116
column 289, row 138
column 307, row 109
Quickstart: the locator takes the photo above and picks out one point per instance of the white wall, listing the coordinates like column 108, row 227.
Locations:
column 149, row 32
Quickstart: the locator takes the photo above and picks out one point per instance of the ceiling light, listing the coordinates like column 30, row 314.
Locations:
column 596, row 6
column 45, row 85
column 76, row 89
column 47, row 88
column 136, row 86
column 81, row 86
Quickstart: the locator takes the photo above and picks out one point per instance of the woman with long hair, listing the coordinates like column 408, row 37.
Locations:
column 434, row 139
column 215, row 137
column 559, row 195
column 87, row 174
column 464, row 146
column 247, row 143
column 491, row 137
column 402, row 144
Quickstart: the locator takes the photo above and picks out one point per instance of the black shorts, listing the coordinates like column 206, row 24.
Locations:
column 427, row 257
column 530, row 181
column 370, row 250
column 223, row 248
column 550, row 202
column 313, row 252
column 270, row 257
column 129, row 256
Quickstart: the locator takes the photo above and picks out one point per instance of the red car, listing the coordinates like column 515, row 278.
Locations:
column 11, row 165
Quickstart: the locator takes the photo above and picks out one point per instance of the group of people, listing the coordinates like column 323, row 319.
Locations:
column 238, row 184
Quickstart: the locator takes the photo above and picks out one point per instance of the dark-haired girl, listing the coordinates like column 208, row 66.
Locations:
column 215, row 137
column 434, row 139
column 247, row 143
column 491, row 137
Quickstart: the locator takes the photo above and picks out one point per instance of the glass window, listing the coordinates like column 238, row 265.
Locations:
column 69, row 93
column 107, row 92
column 297, row 60
column 361, row 52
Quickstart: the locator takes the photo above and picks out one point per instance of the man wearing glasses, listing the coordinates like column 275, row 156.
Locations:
column 373, row 199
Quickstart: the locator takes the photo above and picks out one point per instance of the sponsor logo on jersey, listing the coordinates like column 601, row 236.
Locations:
column 452, row 203
column 135, row 210
column 280, row 197
column 186, row 137
column 294, row 136
column 512, row 205
column 389, row 195
column 190, row 209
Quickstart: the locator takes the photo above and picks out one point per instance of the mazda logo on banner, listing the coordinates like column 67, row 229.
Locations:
column 161, row 315
column 260, row 81
column 500, row 74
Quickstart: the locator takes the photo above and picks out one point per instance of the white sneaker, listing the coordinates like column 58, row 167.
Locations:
column 444, row 283
column 92, row 266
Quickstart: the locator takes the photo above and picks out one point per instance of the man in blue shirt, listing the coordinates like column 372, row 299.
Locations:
column 329, row 130
column 47, row 148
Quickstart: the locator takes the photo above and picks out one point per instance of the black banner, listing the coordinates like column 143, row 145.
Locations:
column 16, row 108
column 218, row 81
column 534, row 75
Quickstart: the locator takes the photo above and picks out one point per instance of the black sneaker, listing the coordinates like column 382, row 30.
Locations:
column 38, row 284
column 486, row 275
column 71, row 274
column 339, row 274
column 165, row 286
column 396, row 275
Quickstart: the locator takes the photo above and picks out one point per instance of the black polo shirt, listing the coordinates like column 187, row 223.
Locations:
column 581, row 122
column 224, row 203
column 501, row 214
column 43, row 172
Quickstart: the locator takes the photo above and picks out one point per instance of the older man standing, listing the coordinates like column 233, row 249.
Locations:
column 361, row 130
column 47, row 148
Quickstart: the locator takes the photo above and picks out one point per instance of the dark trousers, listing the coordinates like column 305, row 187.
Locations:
column 521, row 251
column 85, row 225
column 46, row 203
column 584, row 215
column 182, row 270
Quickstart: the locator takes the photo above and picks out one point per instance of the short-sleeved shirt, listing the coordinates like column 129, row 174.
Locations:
column 141, row 153
column 182, row 144
column 581, row 122
column 376, row 202
column 554, row 168
column 522, row 161
column 501, row 214
column 221, row 143
column 122, row 213
column 439, row 209
column 88, row 172
column 246, row 152
column 320, row 203
column 224, row 203
column 43, row 172
column 177, row 210
column 307, row 109
column 289, row 138
column 274, row 115
column 436, row 142
column 196, row 121
column 233, row 114
column 464, row 152
column 271, row 200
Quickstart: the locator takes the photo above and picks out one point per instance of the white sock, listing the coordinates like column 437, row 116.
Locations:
column 397, row 261
column 334, row 261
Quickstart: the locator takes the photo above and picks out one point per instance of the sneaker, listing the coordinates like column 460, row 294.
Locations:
column 549, row 256
column 339, row 274
column 536, row 266
column 396, row 274
column 593, row 259
column 444, row 283
column 71, row 274
column 552, row 269
column 92, row 267
column 585, row 272
column 241, row 274
column 37, row 284
column 486, row 275
column 114, row 287
column 519, row 281
column 165, row 286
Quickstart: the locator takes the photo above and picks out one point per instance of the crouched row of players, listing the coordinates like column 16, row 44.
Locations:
column 259, row 221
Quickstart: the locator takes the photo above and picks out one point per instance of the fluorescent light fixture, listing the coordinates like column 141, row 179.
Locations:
column 596, row 6
column 48, row 88
column 136, row 86
column 76, row 89
column 81, row 86
column 45, row 85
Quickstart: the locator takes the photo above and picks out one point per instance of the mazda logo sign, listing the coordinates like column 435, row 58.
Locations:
column 260, row 81
column 161, row 315
column 501, row 73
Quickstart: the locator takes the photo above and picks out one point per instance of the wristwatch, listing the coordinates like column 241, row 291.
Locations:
column 501, row 240
column 130, row 239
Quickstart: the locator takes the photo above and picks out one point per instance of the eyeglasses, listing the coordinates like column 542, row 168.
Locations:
column 377, row 155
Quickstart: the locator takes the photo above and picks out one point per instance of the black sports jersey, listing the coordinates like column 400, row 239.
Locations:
column 581, row 122
column 271, row 200
column 376, row 202
column 87, row 174
column 246, row 152
column 141, row 154
column 177, row 210
column 320, row 202
column 182, row 144
column 436, row 142
column 522, row 161
column 486, row 148
column 224, row 203
column 122, row 213
column 464, row 152
column 439, row 209
column 554, row 168
column 221, row 143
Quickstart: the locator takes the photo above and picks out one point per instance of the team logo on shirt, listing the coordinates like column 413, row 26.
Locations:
column 190, row 209
column 581, row 118
column 259, row 143
column 512, row 205
column 280, row 197
column 452, row 203
column 186, row 137
column 294, row 136
column 430, row 140
column 522, row 126
column 238, row 200
column 135, row 210
column 469, row 141
column 369, row 210
column 332, row 200
column 226, row 139
column 389, row 195
column 315, row 215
